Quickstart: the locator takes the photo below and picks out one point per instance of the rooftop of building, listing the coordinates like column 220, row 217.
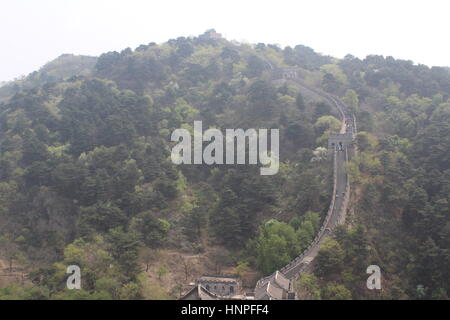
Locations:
column 219, row 278
column 274, row 287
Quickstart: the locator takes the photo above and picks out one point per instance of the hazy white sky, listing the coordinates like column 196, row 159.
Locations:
column 35, row 32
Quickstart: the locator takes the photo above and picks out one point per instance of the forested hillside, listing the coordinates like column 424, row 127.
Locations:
column 86, row 176
column 64, row 66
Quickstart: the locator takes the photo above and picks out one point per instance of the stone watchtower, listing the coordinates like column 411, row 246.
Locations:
column 340, row 141
column 289, row 73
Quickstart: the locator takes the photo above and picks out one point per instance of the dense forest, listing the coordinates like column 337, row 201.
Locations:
column 86, row 176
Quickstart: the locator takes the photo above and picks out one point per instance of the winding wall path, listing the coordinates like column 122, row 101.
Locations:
column 341, row 187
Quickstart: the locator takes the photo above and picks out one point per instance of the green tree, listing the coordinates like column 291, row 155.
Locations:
column 153, row 230
column 300, row 102
column 351, row 99
column 336, row 292
column 124, row 248
column 308, row 287
column 275, row 246
column 330, row 260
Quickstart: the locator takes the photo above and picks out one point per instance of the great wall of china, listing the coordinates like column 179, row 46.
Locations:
column 342, row 149
column 280, row 284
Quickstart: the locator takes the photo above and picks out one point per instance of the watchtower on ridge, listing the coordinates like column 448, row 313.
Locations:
column 340, row 141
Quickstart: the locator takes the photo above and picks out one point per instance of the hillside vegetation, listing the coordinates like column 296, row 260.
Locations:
column 86, row 176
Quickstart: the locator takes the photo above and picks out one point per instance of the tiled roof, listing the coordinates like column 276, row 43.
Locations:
column 274, row 287
column 199, row 293
column 269, row 291
column 227, row 279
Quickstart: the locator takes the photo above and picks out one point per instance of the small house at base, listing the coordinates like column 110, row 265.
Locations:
column 221, row 285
